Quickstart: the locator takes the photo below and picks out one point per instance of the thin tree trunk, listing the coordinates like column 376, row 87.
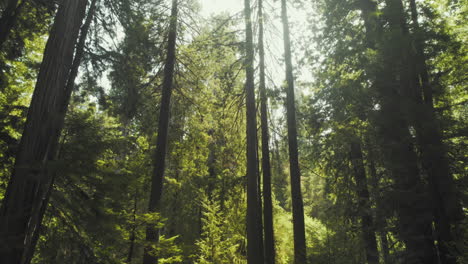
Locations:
column 41, row 133
column 300, row 255
column 364, row 204
column 133, row 232
column 159, row 161
column 254, row 248
column 266, row 167
column 9, row 18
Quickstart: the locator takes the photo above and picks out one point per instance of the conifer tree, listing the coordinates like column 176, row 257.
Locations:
column 254, row 241
column 152, row 234
column 39, row 141
column 300, row 254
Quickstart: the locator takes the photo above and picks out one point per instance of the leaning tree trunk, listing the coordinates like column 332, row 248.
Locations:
column 41, row 133
column 364, row 204
column 300, row 254
column 266, row 167
column 254, row 241
column 41, row 206
column 152, row 233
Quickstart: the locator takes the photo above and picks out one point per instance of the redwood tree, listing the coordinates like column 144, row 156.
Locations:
column 266, row 167
column 32, row 171
column 254, row 241
column 152, row 233
column 300, row 254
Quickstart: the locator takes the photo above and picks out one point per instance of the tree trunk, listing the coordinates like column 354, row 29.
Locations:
column 41, row 133
column 380, row 219
column 447, row 207
column 266, row 167
column 159, row 161
column 410, row 194
column 9, row 18
column 254, row 247
column 364, row 204
column 131, row 249
column 37, row 216
column 300, row 254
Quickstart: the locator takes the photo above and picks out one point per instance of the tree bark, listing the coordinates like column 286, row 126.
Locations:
column 37, row 216
column 41, row 133
column 266, row 166
column 254, row 241
column 159, row 161
column 300, row 255
column 364, row 204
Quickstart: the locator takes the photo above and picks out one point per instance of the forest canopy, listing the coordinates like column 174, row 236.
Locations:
column 209, row 131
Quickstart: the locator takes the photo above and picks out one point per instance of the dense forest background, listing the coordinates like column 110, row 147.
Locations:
column 143, row 131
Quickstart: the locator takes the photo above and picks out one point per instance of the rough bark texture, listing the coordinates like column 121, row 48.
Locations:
column 254, row 243
column 364, row 204
column 266, row 167
column 38, row 145
column 41, row 206
column 300, row 254
column 152, row 234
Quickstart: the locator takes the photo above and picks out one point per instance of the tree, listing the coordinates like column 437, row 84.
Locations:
column 367, row 223
column 41, row 134
column 152, row 234
column 401, row 159
column 254, row 241
column 300, row 254
column 266, row 167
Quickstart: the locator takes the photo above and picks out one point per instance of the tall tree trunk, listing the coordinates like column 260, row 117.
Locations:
column 39, row 210
column 300, row 254
column 159, row 161
column 254, row 241
column 412, row 202
column 364, row 204
column 380, row 220
column 41, row 133
column 447, row 207
column 9, row 18
column 266, row 167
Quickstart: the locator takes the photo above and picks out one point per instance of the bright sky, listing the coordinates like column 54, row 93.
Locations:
column 273, row 34
column 217, row 6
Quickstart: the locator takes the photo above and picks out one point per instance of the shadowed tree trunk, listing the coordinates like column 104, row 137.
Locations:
column 447, row 207
column 300, row 254
column 266, row 167
column 39, row 142
column 254, row 241
column 412, row 203
column 152, row 234
column 40, row 208
column 364, row 204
